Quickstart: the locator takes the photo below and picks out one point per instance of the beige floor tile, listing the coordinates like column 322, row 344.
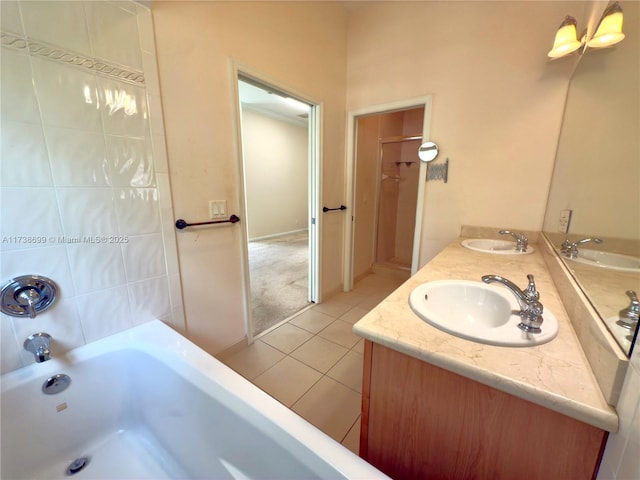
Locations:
column 319, row 353
column 287, row 337
column 348, row 371
column 352, row 440
column 287, row 380
column 355, row 314
column 330, row 406
column 372, row 300
column 333, row 308
column 254, row 359
column 359, row 347
column 340, row 332
column 312, row 320
column 352, row 298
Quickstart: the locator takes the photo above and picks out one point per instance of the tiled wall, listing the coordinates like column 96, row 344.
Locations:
column 84, row 174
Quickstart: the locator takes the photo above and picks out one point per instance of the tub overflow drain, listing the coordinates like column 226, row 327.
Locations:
column 77, row 465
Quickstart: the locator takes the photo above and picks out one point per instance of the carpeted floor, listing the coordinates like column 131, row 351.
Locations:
column 279, row 273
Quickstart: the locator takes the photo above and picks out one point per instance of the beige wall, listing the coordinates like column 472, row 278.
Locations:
column 497, row 101
column 300, row 46
column 276, row 159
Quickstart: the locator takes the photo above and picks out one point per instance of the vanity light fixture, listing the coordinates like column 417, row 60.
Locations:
column 566, row 40
column 609, row 31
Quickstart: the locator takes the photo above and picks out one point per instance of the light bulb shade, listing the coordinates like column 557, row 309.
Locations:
column 566, row 40
column 609, row 31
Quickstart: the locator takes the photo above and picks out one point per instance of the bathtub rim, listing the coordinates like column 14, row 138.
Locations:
column 160, row 341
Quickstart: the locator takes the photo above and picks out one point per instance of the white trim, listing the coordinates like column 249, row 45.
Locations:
column 276, row 235
column 425, row 101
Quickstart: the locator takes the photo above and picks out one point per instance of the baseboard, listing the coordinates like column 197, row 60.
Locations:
column 276, row 235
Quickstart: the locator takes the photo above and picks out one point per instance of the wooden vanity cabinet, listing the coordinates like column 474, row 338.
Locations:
column 421, row 422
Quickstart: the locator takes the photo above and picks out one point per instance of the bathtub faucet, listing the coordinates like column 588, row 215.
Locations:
column 522, row 242
column 39, row 344
column 530, row 307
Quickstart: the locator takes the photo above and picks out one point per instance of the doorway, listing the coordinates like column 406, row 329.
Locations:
column 278, row 168
column 397, row 192
column 384, row 178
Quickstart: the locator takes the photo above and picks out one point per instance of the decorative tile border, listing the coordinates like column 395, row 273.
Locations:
column 16, row 42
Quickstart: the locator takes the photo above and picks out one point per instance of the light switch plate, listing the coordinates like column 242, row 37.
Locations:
column 564, row 221
column 217, row 208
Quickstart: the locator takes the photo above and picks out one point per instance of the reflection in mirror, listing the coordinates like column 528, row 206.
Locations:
column 428, row 151
column 595, row 185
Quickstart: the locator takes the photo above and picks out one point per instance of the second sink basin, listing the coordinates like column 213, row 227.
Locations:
column 612, row 261
column 489, row 245
column 478, row 312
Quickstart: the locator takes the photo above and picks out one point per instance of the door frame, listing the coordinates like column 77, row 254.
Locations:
column 352, row 132
column 314, row 183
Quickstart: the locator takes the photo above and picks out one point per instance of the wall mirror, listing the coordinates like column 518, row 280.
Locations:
column 428, row 151
column 596, row 176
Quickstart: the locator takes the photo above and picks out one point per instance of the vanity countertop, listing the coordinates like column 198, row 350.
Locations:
column 555, row 375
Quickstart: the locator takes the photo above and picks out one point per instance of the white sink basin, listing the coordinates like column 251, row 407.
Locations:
column 612, row 261
column 489, row 245
column 477, row 312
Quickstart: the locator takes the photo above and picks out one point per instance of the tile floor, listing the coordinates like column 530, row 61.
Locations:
column 313, row 363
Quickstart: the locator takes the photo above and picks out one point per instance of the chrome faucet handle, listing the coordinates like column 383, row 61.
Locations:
column 630, row 315
column 522, row 242
column 530, row 292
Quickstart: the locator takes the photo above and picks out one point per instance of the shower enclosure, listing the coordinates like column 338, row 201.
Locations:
column 398, row 188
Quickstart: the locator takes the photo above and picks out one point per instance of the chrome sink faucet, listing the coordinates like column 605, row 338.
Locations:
column 570, row 249
column 528, row 299
column 630, row 316
column 522, row 242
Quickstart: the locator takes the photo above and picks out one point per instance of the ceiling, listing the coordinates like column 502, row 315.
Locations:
column 272, row 103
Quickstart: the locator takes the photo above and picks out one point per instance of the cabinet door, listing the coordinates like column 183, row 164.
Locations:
column 425, row 422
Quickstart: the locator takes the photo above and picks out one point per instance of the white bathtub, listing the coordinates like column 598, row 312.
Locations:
column 148, row 404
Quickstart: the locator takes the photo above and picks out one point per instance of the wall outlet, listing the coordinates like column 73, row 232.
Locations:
column 217, row 208
column 564, row 221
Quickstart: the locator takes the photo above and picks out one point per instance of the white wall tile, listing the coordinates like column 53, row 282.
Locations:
column 149, row 299
column 67, row 95
column 61, row 321
column 18, row 99
column 151, row 79
column 9, row 351
column 155, row 114
column 27, row 213
column 23, row 155
column 164, row 189
column 145, row 28
column 48, row 261
column 144, row 257
column 630, row 461
column 58, row 23
column 10, row 20
column 113, row 31
column 85, row 139
column 77, row 158
column 130, row 161
column 87, row 211
column 104, row 313
column 138, row 210
column 160, row 153
column 124, row 108
column 96, row 266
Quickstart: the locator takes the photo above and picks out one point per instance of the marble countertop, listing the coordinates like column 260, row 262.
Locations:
column 555, row 375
